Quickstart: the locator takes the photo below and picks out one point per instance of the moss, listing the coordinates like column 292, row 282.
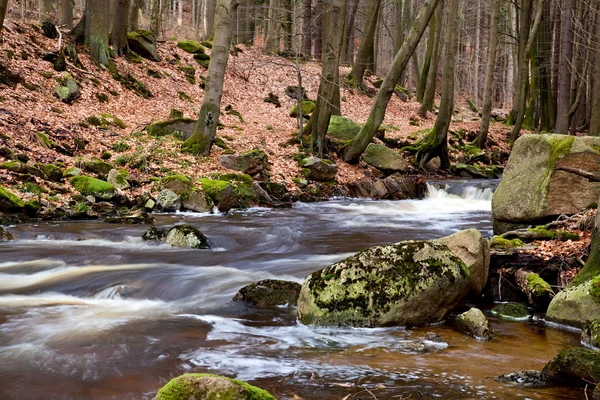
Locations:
column 202, row 59
column 185, row 97
column 545, row 234
column 131, row 83
column 7, row 197
column 499, row 242
column 190, row 46
column 514, row 311
column 44, row 139
column 213, row 188
column 91, row 186
column 342, row 128
column 575, row 366
column 308, row 107
column 538, row 286
column 173, row 178
column 113, row 120
column 106, row 155
column 138, row 33
column 184, row 388
column 162, row 128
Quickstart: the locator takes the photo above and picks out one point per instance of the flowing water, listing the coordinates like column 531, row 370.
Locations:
column 90, row 311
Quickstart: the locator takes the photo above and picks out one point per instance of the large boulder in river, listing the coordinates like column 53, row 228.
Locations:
column 577, row 304
column 473, row 323
column 168, row 200
column 269, row 293
column 384, row 158
column 576, row 366
column 533, row 190
column 186, row 236
column 208, row 387
column 407, row 283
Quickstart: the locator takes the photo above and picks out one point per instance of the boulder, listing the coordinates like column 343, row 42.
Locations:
column 252, row 163
column 69, row 92
column 116, row 179
column 308, row 106
column 179, row 184
column 190, row 46
column 181, row 128
column 94, row 166
column 318, row 170
column 269, row 293
column 384, row 158
column 228, row 199
column 529, row 378
column 71, row 172
column 208, row 387
column 155, row 234
column 532, row 190
column 342, row 129
column 10, row 202
column 473, row 323
column 576, row 305
column 87, row 185
column 53, row 172
column 590, row 334
column 143, row 42
column 167, row 200
column 198, row 201
column 511, row 311
column 5, row 235
column 22, row 168
column 575, row 367
column 409, row 283
column 186, row 236
column 134, row 217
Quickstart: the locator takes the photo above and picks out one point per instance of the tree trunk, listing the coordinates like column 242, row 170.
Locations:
column 564, row 69
column 273, row 23
column 429, row 97
column 595, row 118
column 365, row 49
column 307, row 29
column 3, row 7
column 65, row 13
column 477, row 49
column 45, row 11
column 428, row 56
column 319, row 30
column 334, row 17
column 205, row 131
column 545, row 70
column 288, row 24
column 118, row 37
column 399, row 26
column 97, row 29
column 522, row 61
column 489, row 77
column 210, row 18
column 352, row 151
column 436, row 143
column 134, row 15
column 155, row 18
column 348, row 52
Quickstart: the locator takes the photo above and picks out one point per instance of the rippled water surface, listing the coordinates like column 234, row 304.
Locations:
column 89, row 310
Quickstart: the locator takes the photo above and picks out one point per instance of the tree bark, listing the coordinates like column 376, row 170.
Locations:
column 273, row 23
column 319, row 31
column 429, row 97
column 155, row 18
column 564, row 68
column 287, row 24
column 595, row 118
column 205, row 130
column 545, row 70
column 435, row 142
column 428, row 56
column 522, row 60
column 352, row 151
column 134, row 15
column 210, row 18
column 118, row 37
column 365, row 49
column 3, row 7
column 45, row 11
column 477, row 48
column 97, row 29
column 65, row 13
column 307, row 29
column 489, row 76
column 334, row 17
column 348, row 52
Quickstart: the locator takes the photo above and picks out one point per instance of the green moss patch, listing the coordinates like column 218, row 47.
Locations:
column 91, row 186
column 498, row 242
column 538, row 286
column 511, row 311
column 342, row 128
column 308, row 107
column 545, row 234
column 209, row 386
column 9, row 200
column 190, row 46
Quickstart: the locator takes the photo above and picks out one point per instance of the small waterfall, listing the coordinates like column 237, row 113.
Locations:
column 468, row 190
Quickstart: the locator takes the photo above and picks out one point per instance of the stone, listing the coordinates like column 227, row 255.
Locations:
column 181, row 128
column 308, row 107
column 143, row 42
column 228, row 199
column 474, row 171
column 190, row 46
column 179, row 184
column 5, row 235
column 69, row 92
column 511, row 311
column 186, row 236
column 384, row 158
column 155, row 234
column 208, row 387
column 10, row 202
column 198, row 201
column 252, row 163
column 532, row 190
column 433, row 165
column 473, row 323
column 590, row 334
column 87, row 185
column 528, row 378
column 342, row 129
column 134, row 217
column 116, row 179
column 167, row 200
column 318, row 170
column 149, row 204
column 22, row 168
column 574, row 367
column 269, row 293
column 51, row 171
column 576, row 305
column 391, row 285
column 474, row 250
column 94, row 166
column 71, row 172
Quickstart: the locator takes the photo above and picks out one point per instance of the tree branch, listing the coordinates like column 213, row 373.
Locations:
column 588, row 175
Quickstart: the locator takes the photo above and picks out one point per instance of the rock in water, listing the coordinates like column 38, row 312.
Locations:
column 408, row 283
column 186, row 236
column 474, row 323
column 168, row 200
column 529, row 378
column 576, row 366
column 269, row 293
column 209, row 387
column 576, row 305
column 154, row 234
column 532, row 189
column 5, row 235
column 590, row 334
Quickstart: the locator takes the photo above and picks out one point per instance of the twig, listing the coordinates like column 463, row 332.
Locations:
column 80, row 70
column 59, row 38
column 371, row 393
column 588, row 175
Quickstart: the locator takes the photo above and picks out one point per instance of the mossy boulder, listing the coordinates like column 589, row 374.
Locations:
column 318, row 170
column 154, row 234
column 202, row 59
column 511, row 311
column 87, row 185
column 186, row 236
column 342, row 128
column 179, row 184
column 210, row 387
column 308, row 106
column 574, row 367
column 181, row 128
column 527, row 378
column 95, row 166
column 143, row 42
column 9, row 202
column 269, row 293
column 190, row 46
column 71, row 172
column 473, row 323
column 396, row 284
column 198, row 201
column 230, row 191
column 117, row 179
column 590, row 334
column 255, row 162
column 384, row 158
column 51, row 171
column 22, row 168
column 532, row 190
column 576, row 305
column 69, row 91
column 167, row 200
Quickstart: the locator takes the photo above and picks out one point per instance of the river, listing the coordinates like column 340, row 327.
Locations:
column 90, row 311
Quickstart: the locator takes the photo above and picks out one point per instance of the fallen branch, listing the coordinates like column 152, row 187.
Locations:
column 586, row 174
column 81, row 70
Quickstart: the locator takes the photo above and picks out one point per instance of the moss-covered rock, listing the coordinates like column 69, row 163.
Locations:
column 574, row 367
column 190, row 46
column 397, row 284
column 22, row 168
column 117, row 179
column 198, row 201
column 72, row 171
column 69, row 91
column 229, row 191
column 474, row 171
column 576, row 305
column 528, row 378
column 95, row 166
column 532, row 190
column 318, row 170
column 498, row 242
column 384, row 158
column 202, row 59
column 252, row 163
column 154, row 234
column 590, row 334
column 210, row 387
column 9, row 202
column 342, row 128
column 53, row 172
column 167, row 200
column 308, row 106
column 143, row 42
column 269, row 293
column 511, row 311
column 473, row 323
column 179, row 184
column 87, row 185
column 181, row 128
column 186, row 236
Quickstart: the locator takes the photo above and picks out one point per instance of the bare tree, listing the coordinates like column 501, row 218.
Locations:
column 97, row 29
column 118, row 37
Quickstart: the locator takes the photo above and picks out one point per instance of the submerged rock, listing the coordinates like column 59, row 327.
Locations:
column 5, row 235
column 186, row 236
column 511, row 311
column 210, row 387
column 473, row 323
column 408, row 283
column 154, row 234
column 269, row 293
column 529, row 378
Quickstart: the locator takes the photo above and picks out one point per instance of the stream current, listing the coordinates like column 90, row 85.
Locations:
column 90, row 311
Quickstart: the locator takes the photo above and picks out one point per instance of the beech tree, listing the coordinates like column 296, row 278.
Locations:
column 118, row 37
column 3, row 6
column 205, row 130
column 97, row 29
column 365, row 49
column 45, row 11
column 65, row 13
